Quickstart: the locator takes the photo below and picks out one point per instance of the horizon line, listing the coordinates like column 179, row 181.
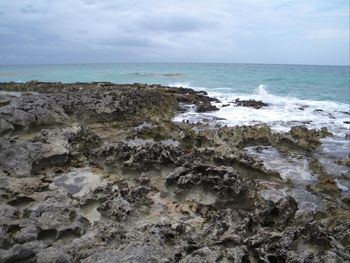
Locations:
column 232, row 63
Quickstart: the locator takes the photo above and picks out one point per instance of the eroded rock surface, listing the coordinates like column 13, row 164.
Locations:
column 97, row 172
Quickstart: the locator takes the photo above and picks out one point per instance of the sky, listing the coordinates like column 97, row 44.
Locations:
column 230, row 31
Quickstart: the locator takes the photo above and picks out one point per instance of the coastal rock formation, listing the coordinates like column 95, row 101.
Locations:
column 98, row 172
column 256, row 104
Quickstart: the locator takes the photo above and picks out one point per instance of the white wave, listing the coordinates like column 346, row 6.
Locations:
column 262, row 91
column 281, row 114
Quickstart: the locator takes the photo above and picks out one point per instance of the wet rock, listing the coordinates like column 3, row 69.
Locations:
column 204, row 107
column 345, row 161
column 326, row 183
column 182, row 107
column 302, row 138
column 256, row 104
column 301, row 132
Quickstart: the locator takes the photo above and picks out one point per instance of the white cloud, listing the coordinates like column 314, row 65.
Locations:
column 169, row 30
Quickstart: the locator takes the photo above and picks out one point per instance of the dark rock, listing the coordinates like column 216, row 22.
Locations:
column 225, row 182
column 117, row 208
column 204, row 107
column 15, row 254
column 278, row 214
column 256, row 104
column 139, row 156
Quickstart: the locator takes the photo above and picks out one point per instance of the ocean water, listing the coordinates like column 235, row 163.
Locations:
column 319, row 83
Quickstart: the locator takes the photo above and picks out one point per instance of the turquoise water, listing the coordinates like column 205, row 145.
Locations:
column 321, row 83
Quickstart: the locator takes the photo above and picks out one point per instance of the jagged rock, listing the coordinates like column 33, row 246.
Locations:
column 169, row 192
column 23, row 158
column 117, row 208
column 139, row 156
column 204, row 107
column 8, row 213
column 256, row 104
column 226, row 183
column 300, row 137
column 27, row 234
column 278, row 214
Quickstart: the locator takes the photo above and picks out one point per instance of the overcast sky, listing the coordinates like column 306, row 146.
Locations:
column 251, row 31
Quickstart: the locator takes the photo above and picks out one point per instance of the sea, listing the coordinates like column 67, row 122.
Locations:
column 313, row 96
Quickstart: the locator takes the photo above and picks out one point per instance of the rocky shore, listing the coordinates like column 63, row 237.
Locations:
column 99, row 172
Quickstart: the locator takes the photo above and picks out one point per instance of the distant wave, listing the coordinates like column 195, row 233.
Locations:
column 282, row 113
column 9, row 74
column 166, row 74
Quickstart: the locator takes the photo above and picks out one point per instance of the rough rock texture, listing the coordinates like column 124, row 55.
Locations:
column 256, row 104
column 98, row 172
column 206, row 107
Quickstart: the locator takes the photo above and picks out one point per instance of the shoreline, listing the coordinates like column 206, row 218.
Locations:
column 93, row 172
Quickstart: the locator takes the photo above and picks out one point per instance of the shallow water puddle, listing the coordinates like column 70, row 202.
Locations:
column 293, row 168
column 156, row 175
column 21, row 202
column 77, row 181
column 90, row 212
column 335, row 149
column 196, row 195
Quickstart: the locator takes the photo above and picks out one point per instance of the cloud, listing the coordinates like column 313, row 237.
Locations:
column 330, row 34
column 267, row 31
